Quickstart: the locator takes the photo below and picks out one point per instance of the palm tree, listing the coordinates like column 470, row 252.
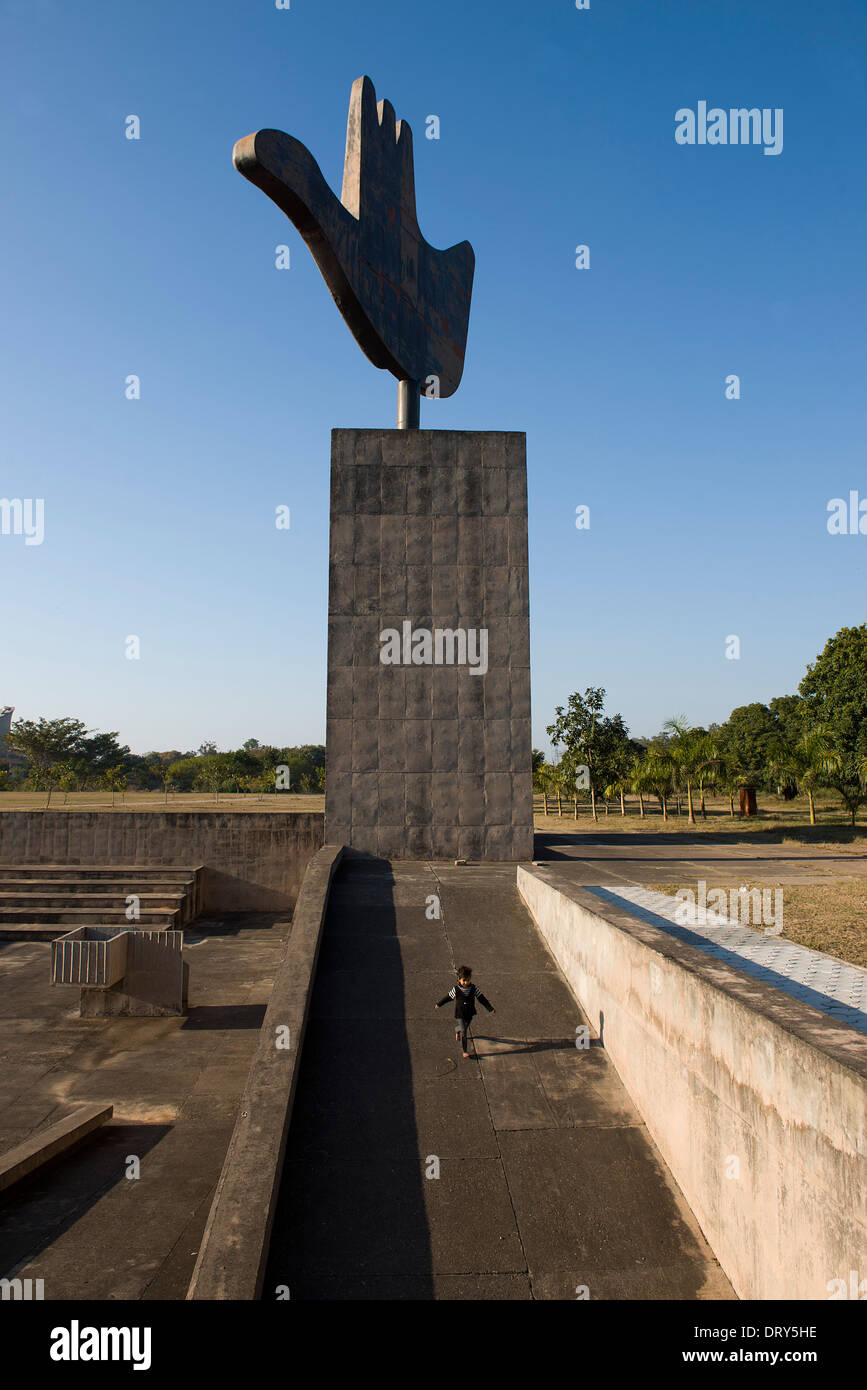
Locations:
column 658, row 773
column 617, row 788
column 542, row 780
column 686, row 755
column 733, row 777
column 556, row 781
column 809, row 761
column 538, row 761
column 636, row 781
column 568, row 781
column 708, row 767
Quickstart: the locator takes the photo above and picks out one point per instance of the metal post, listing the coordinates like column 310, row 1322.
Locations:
column 408, row 405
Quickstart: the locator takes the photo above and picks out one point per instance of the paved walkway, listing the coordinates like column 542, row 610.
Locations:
column 523, row 1173
column 830, row 985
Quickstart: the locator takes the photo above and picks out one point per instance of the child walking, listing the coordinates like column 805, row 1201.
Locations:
column 465, row 994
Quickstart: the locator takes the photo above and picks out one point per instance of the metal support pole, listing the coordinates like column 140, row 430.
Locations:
column 408, row 405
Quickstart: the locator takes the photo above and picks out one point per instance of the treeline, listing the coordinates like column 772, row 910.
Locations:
column 64, row 754
column 793, row 746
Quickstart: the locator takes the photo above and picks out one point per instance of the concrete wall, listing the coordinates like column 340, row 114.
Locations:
column 253, row 861
column 757, row 1102
column 233, row 1252
column 429, row 527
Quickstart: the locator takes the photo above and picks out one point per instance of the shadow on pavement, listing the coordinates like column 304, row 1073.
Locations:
column 351, row 1215
column 35, row 1212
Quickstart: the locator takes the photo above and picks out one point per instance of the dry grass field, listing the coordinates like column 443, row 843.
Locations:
column 775, row 817
column 159, row 801
column 829, row 917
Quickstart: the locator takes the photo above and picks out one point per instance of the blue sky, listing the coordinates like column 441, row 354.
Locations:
column 154, row 257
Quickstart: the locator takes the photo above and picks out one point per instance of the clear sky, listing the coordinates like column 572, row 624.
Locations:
column 557, row 128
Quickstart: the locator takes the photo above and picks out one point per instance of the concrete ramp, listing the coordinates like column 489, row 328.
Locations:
column 523, row 1173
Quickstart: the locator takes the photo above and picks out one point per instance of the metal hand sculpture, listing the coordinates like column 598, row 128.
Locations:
column 407, row 304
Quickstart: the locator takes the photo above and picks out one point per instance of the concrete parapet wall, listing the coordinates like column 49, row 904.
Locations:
column 251, row 862
column 757, row 1102
column 234, row 1248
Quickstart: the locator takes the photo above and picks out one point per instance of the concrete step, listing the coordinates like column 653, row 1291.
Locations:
column 42, row 931
column 168, row 899
column 65, row 917
column 41, row 892
column 95, row 885
column 162, row 872
column 38, row 931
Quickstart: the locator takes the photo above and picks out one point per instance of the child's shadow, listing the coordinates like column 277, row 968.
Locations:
column 531, row 1045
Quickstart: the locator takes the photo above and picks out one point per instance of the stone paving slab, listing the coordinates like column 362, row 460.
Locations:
column 543, row 1161
column 560, row 1091
column 832, row 986
column 585, row 1198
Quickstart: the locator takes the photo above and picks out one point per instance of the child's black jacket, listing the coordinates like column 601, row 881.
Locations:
column 465, row 1000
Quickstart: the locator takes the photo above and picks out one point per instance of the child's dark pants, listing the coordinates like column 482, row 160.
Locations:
column 461, row 1026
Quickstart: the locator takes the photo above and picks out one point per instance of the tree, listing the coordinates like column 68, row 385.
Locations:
column 790, row 713
column 709, row 766
column 747, row 738
column 618, row 787
column 636, row 779
column 687, row 753
column 67, row 779
column 85, row 755
column 540, row 776
column 46, row 741
column 546, row 782
column 594, row 746
column 835, row 692
column 809, row 761
column 657, row 775
column 556, row 777
column 97, row 754
column 116, row 780
column 161, row 772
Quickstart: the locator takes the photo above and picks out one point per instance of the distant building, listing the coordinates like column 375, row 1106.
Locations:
column 6, row 754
